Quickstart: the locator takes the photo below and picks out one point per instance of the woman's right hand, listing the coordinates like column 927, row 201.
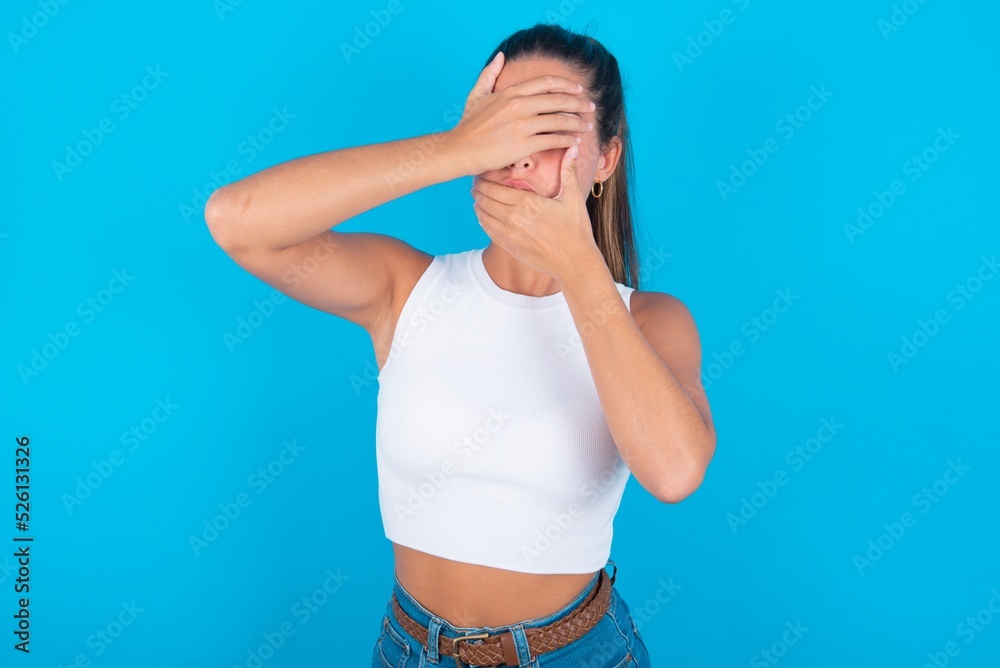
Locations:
column 497, row 129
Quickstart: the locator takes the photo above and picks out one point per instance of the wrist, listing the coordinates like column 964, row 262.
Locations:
column 457, row 160
column 587, row 266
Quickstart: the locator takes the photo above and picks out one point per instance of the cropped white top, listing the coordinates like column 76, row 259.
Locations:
column 491, row 444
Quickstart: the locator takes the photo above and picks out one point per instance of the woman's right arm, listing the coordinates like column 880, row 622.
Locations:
column 294, row 201
column 276, row 223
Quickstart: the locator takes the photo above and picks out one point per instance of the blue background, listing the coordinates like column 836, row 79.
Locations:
column 303, row 376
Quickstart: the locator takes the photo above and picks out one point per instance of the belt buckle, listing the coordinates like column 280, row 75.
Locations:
column 455, row 641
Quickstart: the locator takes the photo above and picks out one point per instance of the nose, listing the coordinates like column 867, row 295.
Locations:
column 523, row 163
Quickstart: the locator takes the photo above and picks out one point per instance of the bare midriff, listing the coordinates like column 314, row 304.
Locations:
column 471, row 595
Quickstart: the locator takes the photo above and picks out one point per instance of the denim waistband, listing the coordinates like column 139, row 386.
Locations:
column 423, row 616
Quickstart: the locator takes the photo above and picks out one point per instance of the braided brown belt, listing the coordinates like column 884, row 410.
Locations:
column 499, row 650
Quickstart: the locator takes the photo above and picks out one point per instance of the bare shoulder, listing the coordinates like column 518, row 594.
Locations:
column 663, row 314
column 408, row 263
column 670, row 329
column 667, row 324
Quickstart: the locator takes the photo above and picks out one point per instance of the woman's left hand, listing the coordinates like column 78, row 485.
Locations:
column 551, row 235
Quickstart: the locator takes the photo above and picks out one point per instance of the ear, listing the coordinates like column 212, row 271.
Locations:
column 609, row 159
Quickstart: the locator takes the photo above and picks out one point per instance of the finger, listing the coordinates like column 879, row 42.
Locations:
column 559, row 122
column 491, row 221
column 545, row 142
column 496, row 191
column 550, row 103
column 491, row 206
column 488, row 77
column 549, row 83
column 568, row 175
column 501, row 60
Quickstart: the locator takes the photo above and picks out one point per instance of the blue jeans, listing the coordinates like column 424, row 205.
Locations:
column 613, row 643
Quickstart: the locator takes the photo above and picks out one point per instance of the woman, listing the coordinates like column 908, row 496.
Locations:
column 519, row 385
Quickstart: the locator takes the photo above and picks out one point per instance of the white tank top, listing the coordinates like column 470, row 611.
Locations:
column 491, row 444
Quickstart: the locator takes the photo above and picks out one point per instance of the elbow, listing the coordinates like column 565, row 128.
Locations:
column 680, row 485
column 677, row 489
column 215, row 215
column 219, row 220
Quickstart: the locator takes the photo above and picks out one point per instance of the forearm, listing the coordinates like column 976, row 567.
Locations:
column 297, row 200
column 657, row 427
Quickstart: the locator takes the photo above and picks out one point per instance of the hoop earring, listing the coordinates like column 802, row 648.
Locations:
column 600, row 190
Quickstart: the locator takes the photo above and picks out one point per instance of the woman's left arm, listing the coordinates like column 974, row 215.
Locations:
column 647, row 377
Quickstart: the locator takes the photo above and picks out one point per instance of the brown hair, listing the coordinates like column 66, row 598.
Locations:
column 611, row 213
